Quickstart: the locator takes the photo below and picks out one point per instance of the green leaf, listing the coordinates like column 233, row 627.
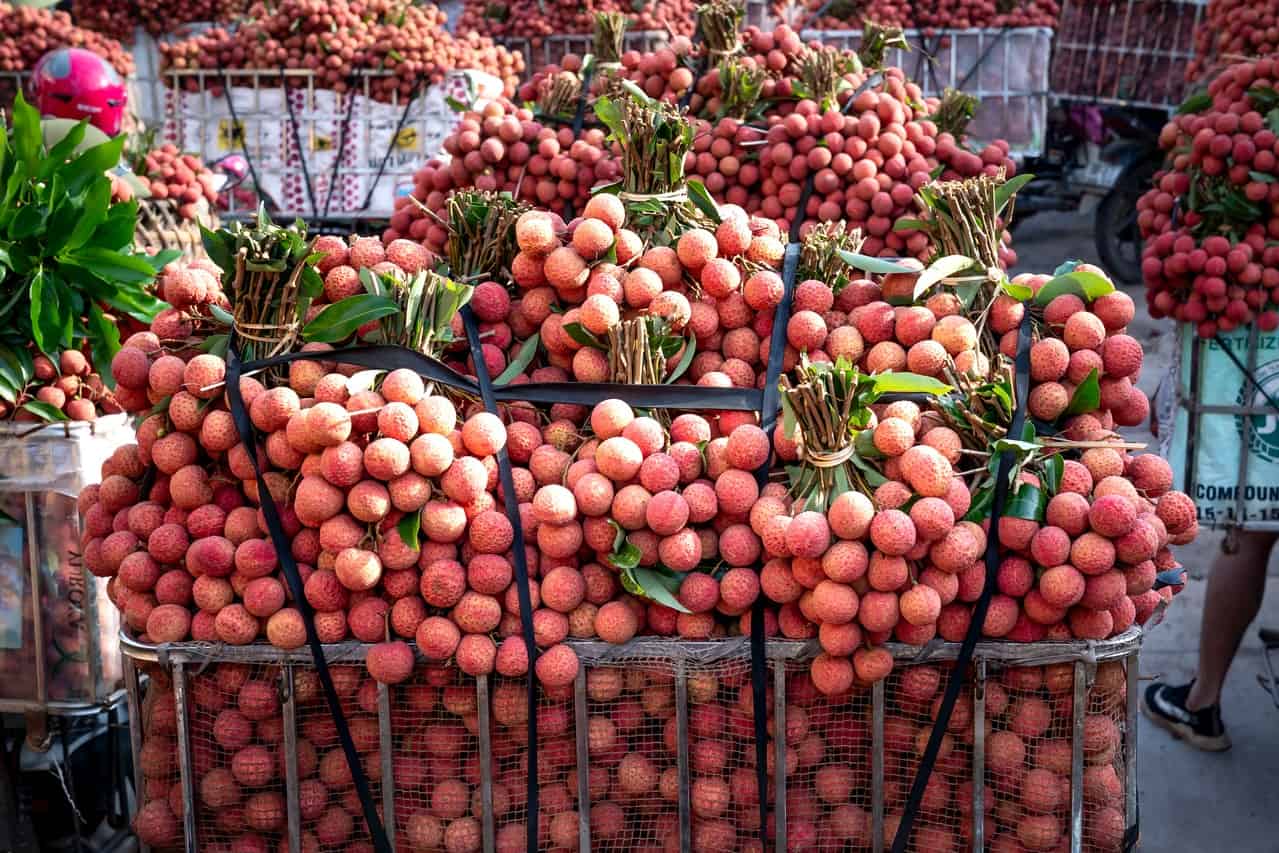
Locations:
column 1020, row 292
column 690, row 349
column 908, row 383
column 521, row 361
column 26, row 134
column 135, row 302
column 62, row 151
column 44, row 410
column 222, row 315
column 340, row 320
column 658, row 585
column 979, row 509
column 1086, row 285
column 864, row 445
column 1066, row 266
column 1054, row 467
column 104, row 339
column 942, row 268
column 700, row 196
column 93, row 212
column 1196, row 103
column 1027, row 502
column 883, row 266
column 1263, row 177
column 116, row 232
column 409, row 527
column 1009, row 188
column 110, row 265
column 908, row 224
column 627, row 557
column 215, row 344
column 1087, row 396
column 92, row 165
column 610, row 115
column 578, row 332
column 49, row 317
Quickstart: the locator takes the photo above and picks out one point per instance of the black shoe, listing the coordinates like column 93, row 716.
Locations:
column 1165, row 706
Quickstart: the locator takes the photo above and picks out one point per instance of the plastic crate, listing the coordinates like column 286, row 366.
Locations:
column 1125, row 52
column 1006, row 69
column 59, row 646
column 652, row 747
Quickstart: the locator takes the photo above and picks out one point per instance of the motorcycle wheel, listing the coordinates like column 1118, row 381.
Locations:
column 1116, row 234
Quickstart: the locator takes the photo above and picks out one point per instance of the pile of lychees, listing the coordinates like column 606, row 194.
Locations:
column 867, row 158
column 1209, row 222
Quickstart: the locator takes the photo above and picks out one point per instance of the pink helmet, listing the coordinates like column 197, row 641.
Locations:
column 74, row 83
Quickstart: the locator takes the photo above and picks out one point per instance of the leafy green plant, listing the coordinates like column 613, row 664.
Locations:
column 67, row 262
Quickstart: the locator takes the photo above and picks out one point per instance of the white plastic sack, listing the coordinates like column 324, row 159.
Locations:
column 1218, row 443
column 60, row 457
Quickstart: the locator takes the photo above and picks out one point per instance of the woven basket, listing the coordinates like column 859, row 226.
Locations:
column 160, row 227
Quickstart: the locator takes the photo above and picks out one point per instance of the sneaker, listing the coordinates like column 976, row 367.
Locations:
column 1165, row 706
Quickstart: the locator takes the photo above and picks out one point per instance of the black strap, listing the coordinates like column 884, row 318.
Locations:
column 271, row 514
column 579, row 119
column 390, row 357
column 342, row 132
column 959, row 674
column 237, row 129
column 297, row 143
column 390, row 145
column 769, row 404
column 520, row 563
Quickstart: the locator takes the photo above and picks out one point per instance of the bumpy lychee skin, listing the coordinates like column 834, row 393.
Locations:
column 892, row 532
column 927, row 471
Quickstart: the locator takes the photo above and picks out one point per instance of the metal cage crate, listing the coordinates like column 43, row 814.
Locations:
column 1006, row 69
column 676, row 705
column 1125, row 52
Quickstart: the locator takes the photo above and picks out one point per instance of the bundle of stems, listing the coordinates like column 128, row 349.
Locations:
column 827, row 415
column 720, row 22
column 964, row 218
column 821, row 74
column 610, row 27
column 655, row 138
column 741, row 84
column 558, row 94
column 632, row 356
column 954, row 112
column 876, row 41
column 428, row 301
column 268, row 277
column 819, row 253
column 481, row 226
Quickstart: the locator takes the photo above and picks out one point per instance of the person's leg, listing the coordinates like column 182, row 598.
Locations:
column 1235, row 587
column 1192, row 712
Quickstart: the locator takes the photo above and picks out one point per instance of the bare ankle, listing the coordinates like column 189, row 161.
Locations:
column 1198, row 699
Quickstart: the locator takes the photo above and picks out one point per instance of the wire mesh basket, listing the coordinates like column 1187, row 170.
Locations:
column 1125, row 52
column 1006, row 69
column 651, row 748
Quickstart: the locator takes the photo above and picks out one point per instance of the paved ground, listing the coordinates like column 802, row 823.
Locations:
column 1190, row 801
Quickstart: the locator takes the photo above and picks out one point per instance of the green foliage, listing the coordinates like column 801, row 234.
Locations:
column 66, row 253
